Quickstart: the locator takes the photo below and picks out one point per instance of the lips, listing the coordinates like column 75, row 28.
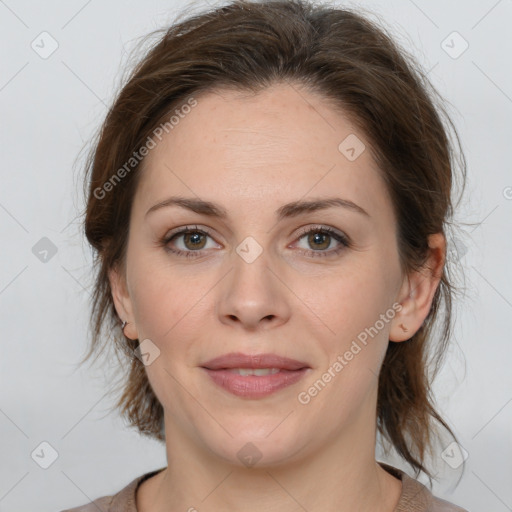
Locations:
column 235, row 373
column 239, row 360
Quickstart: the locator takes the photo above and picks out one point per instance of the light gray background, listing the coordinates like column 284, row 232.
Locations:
column 49, row 107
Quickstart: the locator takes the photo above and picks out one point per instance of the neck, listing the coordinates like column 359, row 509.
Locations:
column 340, row 476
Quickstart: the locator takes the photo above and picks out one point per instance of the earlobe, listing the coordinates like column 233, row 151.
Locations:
column 418, row 292
column 122, row 302
column 401, row 326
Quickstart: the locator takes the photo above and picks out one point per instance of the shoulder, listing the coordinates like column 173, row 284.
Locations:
column 416, row 497
column 439, row 505
column 99, row 505
column 122, row 501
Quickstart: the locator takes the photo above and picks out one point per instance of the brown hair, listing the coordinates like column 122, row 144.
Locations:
column 352, row 63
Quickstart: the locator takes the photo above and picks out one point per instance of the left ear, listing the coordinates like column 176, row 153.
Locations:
column 417, row 292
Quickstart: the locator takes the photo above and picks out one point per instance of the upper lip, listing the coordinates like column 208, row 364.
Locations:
column 239, row 360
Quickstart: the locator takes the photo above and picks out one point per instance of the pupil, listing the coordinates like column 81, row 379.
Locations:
column 317, row 239
column 194, row 239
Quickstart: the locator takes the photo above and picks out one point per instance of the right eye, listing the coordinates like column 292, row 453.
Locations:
column 190, row 241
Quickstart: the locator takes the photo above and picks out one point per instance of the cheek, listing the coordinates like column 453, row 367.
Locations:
column 169, row 305
column 357, row 313
column 354, row 312
column 164, row 308
column 151, row 305
column 349, row 301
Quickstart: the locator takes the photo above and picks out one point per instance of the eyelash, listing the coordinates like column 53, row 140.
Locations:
column 343, row 240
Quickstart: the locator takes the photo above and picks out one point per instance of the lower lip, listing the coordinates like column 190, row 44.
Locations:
column 252, row 386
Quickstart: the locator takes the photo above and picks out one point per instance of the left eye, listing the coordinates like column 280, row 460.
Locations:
column 321, row 239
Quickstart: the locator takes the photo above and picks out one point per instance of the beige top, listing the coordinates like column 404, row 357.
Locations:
column 415, row 497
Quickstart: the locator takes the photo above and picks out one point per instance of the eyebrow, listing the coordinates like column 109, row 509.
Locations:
column 293, row 209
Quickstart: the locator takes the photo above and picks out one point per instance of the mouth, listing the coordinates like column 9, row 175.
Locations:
column 239, row 361
column 254, row 376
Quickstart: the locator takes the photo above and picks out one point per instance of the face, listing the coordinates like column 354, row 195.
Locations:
column 319, row 285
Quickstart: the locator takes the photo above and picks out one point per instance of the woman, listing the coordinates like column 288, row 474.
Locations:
column 268, row 199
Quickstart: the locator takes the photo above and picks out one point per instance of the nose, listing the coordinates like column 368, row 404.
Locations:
column 253, row 295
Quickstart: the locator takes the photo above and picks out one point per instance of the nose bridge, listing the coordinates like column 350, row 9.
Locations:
column 251, row 261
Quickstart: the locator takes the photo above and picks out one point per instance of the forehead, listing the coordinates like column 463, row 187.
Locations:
column 244, row 149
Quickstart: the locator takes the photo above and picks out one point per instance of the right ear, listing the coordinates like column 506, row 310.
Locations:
column 122, row 302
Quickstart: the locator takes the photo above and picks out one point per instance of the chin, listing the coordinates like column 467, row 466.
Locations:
column 258, row 450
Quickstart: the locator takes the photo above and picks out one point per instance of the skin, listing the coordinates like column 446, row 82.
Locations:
column 251, row 154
